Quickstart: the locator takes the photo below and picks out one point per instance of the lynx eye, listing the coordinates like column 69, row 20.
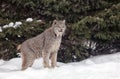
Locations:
column 63, row 26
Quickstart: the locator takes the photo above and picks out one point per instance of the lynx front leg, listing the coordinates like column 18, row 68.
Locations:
column 54, row 59
column 46, row 59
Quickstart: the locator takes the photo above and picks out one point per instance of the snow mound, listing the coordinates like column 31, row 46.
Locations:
column 17, row 24
column 5, row 26
column 29, row 20
column 11, row 24
column 99, row 67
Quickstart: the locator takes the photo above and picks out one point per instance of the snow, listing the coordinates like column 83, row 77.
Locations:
column 5, row 26
column 17, row 24
column 18, row 35
column 6, row 38
column 89, row 44
column 11, row 24
column 99, row 67
column 29, row 20
column 14, row 25
column 39, row 20
column 0, row 29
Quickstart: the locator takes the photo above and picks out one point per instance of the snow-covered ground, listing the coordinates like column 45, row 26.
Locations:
column 99, row 67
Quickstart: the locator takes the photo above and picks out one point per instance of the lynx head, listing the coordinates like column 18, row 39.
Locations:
column 59, row 27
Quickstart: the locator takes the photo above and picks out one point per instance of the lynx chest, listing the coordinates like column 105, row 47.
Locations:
column 55, row 45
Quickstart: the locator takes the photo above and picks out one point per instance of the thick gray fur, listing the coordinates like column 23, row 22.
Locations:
column 45, row 45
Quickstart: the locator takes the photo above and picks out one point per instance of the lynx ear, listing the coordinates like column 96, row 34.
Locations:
column 64, row 21
column 54, row 22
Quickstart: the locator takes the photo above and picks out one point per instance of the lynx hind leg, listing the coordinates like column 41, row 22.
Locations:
column 53, row 59
column 46, row 59
column 27, row 60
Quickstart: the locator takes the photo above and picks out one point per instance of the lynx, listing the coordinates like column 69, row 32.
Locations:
column 44, row 45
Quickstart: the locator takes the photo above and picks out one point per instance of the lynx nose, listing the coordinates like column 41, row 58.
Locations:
column 61, row 30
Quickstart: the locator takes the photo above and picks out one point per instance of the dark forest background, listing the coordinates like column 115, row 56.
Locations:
column 93, row 26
